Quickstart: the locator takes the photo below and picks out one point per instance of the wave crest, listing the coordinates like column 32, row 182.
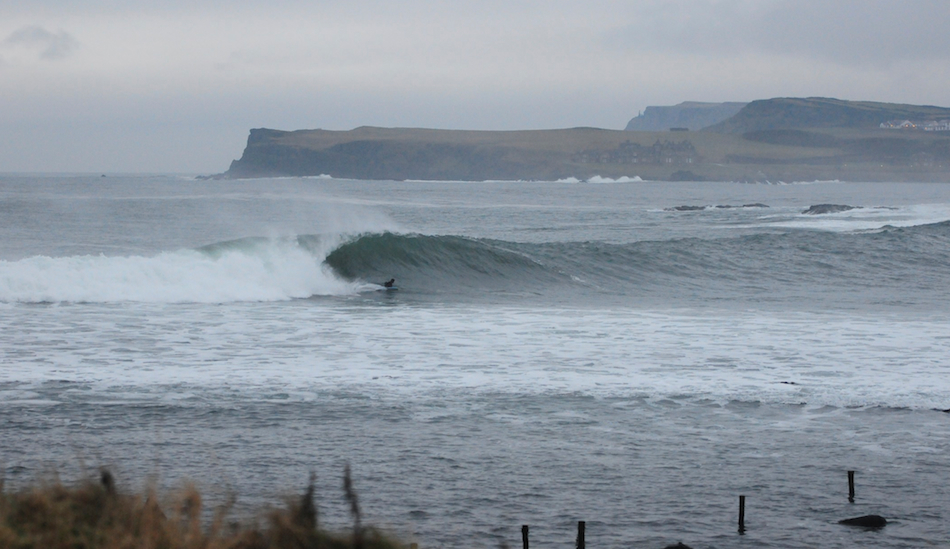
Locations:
column 241, row 270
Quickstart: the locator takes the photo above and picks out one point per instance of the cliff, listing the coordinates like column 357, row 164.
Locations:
column 412, row 153
column 691, row 115
column 777, row 140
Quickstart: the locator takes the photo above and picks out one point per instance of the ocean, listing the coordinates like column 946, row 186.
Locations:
column 631, row 354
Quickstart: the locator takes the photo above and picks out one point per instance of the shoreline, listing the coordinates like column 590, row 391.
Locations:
column 399, row 154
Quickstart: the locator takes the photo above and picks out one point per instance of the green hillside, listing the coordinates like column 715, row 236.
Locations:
column 821, row 112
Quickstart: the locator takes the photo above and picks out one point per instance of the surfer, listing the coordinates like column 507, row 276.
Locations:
column 390, row 283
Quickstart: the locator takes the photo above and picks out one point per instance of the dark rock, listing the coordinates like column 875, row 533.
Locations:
column 818, row 209
column 685, row 175
column 730, row 206
column 679, row 545
column 684, row 209
column 867, row 521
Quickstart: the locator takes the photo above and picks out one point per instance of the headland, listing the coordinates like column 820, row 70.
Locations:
column 783, row 139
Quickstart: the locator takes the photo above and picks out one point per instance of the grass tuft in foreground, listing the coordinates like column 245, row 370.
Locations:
column 96, row 515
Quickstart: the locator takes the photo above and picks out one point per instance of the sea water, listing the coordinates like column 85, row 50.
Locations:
column 632, row 354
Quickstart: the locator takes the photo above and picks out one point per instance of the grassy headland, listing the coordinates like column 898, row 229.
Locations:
column 775, row 140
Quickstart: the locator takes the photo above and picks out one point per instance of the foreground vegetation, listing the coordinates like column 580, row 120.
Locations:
column 96, row 515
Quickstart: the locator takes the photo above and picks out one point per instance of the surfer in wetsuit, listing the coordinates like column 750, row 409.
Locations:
column 390, row 283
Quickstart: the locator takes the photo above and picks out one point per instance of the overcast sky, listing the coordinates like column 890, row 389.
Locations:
column 175, row 85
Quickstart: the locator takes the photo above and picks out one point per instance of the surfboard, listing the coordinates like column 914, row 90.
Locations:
column 390, row 289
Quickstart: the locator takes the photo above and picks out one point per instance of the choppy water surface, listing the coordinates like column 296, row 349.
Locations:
column 556, row 352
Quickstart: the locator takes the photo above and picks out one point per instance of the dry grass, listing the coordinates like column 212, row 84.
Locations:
column 50, row 515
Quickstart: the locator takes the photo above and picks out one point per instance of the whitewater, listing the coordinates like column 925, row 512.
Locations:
column 633, row 354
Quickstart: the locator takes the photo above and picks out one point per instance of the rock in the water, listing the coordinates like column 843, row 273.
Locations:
column 867, row 521
column 818, row 209
column 685, row 208
column 730, row 206
column 679, row 545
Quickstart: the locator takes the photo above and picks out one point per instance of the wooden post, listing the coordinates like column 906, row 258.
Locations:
column 851, row 486
column 524, row 536
column 580, row 534
column 741, row 514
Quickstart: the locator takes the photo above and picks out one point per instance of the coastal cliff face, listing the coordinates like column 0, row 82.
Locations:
column 271, row 152
column 691, row 115
column 772, row 140
column 394, row 153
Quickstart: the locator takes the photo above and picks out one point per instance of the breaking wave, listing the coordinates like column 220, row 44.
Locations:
column 795, row 265
column 242, row 270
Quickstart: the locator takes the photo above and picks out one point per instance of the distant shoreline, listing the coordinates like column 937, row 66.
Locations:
column 585, row 153
column 781, row 139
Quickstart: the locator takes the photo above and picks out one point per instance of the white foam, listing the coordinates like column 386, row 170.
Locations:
column 276, row 270
column 790, row 358
column 623, row 179
column 863, row 218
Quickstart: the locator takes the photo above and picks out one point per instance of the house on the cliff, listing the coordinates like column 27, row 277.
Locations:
column 929, row 126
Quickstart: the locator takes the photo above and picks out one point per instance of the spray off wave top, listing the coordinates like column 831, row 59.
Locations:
column 255, row 269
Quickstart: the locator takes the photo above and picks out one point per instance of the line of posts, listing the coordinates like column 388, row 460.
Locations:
column 579, row 543
column 582, row 526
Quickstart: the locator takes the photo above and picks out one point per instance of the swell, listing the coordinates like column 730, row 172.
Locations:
column 891, row 263
column 442, row 263
column 902, row 266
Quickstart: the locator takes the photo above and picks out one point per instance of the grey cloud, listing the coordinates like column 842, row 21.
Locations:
column 876, row 32
column 50, row 45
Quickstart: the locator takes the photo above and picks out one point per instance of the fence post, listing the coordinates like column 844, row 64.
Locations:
column 741, row 514
column 851, row 486
column 580, row 534
column 524, row 536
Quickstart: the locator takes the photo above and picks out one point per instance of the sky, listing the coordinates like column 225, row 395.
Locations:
column 173, row 86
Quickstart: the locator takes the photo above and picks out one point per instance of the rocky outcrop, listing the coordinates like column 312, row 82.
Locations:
column 819, row 209
column 867, row 521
